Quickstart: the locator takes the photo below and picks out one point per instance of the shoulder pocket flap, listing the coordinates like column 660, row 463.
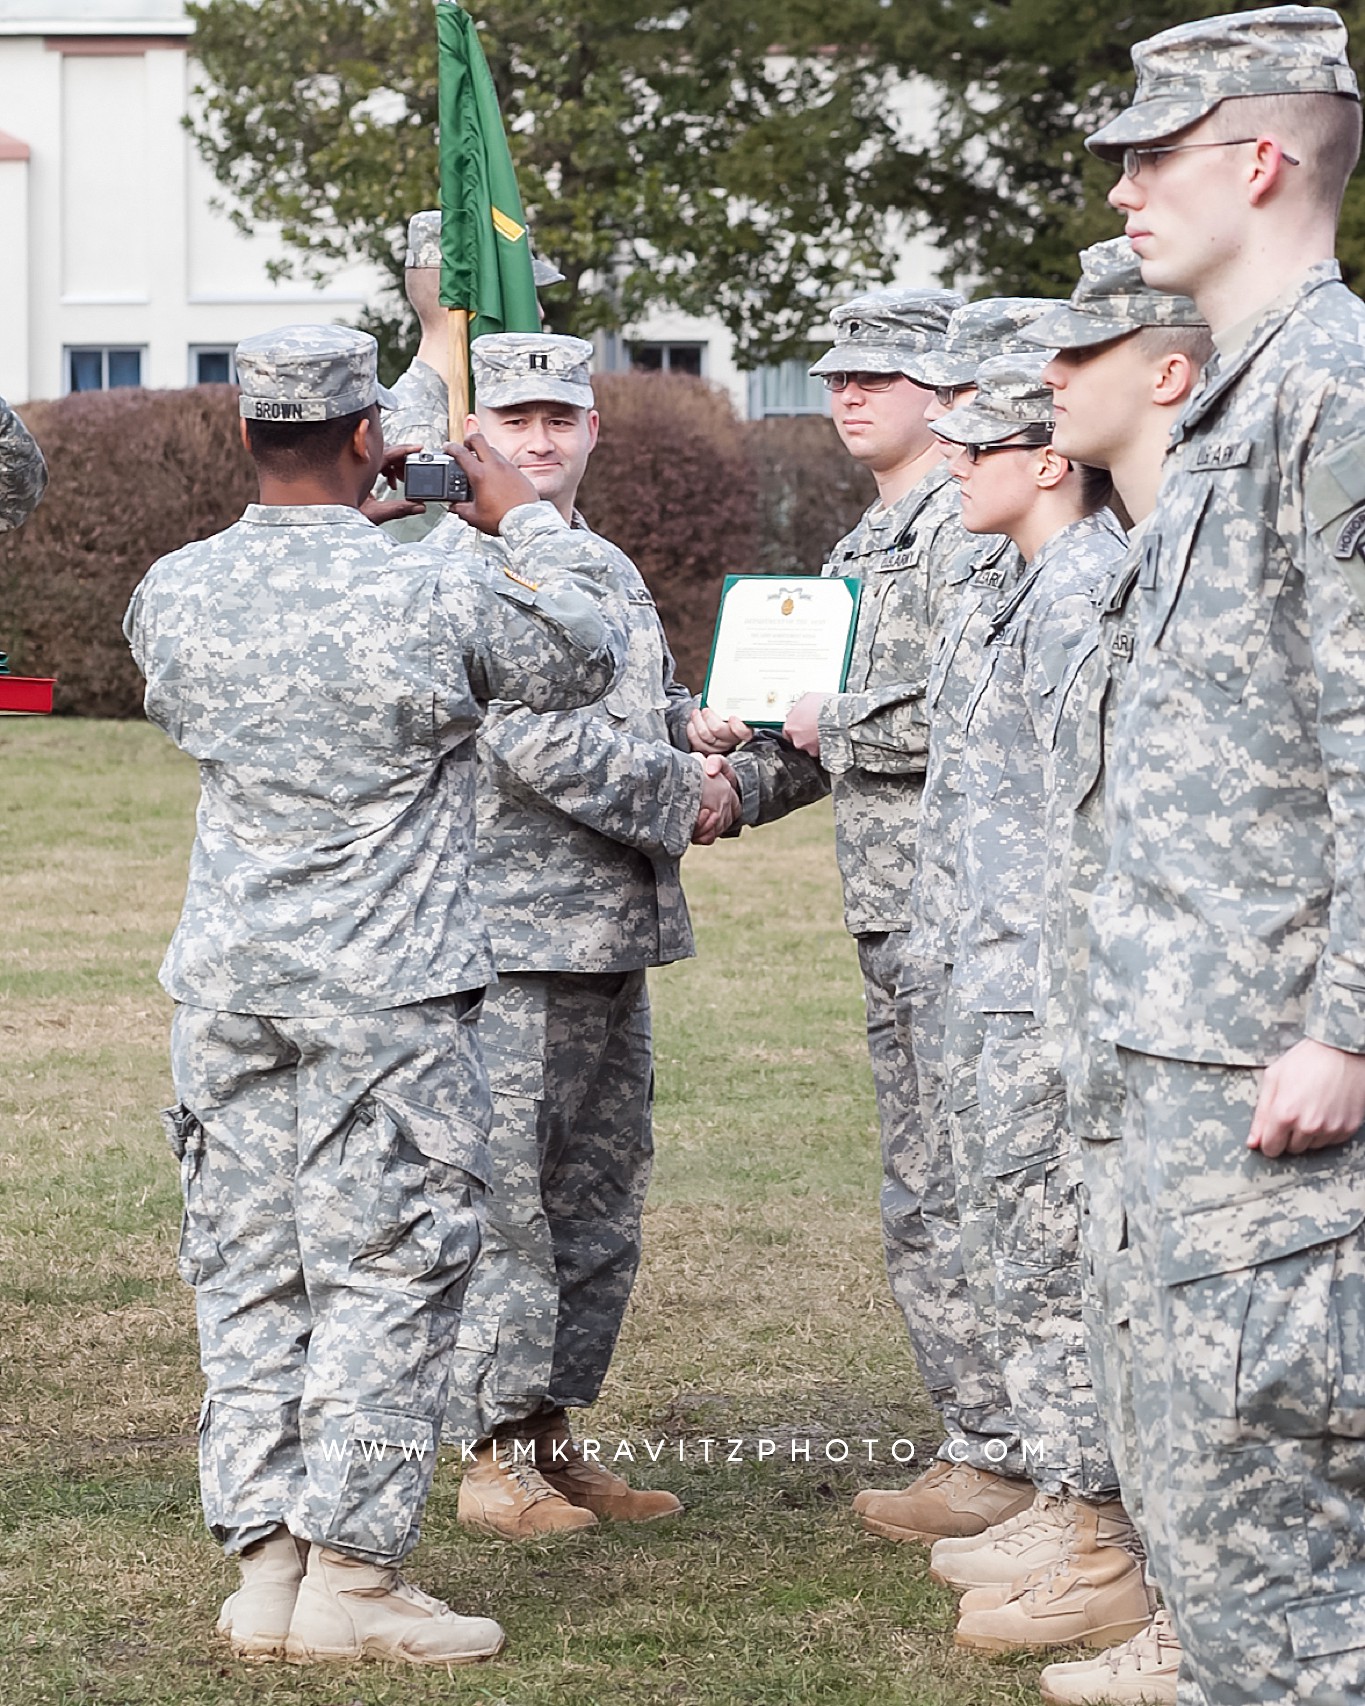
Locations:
column 452, row 1138
column 1333, row 1623
column 1335, row 484
column 1231, row 1236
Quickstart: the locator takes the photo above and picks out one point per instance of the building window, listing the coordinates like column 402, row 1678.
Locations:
column 102, row 369
column 669, row 358
column 212, row 364
column 786, row 388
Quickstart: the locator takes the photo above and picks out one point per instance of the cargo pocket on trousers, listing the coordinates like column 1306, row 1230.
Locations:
column 390, row 1458
column 1037, row 1213
column 419, row 1225
column 198, row 1256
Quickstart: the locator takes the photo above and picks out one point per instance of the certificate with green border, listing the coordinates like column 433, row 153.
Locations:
column 777, row 637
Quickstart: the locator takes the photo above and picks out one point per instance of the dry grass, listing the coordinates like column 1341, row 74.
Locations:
column 761, row 1311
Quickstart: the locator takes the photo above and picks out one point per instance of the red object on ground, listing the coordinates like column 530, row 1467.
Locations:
column 26, row 693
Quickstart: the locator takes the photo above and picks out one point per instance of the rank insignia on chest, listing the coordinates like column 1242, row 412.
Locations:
column 1350, row 538
column 1216, row 456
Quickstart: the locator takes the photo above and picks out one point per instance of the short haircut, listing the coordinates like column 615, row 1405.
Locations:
column 291, row 449
column 1194, row 341
column 1322, row 131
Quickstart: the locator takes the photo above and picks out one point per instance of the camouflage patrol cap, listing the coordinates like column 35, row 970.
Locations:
column 976, row 332
column 309, row 373
column 885, row 331
column 1010, row 398
column 424, row 239
column 1183, row 73
column 531, row 367
column 1110, row 302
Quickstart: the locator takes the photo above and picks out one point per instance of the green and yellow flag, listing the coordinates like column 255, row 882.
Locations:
column 485, row 253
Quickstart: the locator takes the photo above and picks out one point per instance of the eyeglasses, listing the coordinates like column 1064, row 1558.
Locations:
column 1133, row 157
column 976, row 451
column 864, row 381
column 947, row 395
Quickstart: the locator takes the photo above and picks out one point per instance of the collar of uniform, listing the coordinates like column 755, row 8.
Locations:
column 1098, row 521
column 898, row 518
column 305, row 515
column 1230, row 369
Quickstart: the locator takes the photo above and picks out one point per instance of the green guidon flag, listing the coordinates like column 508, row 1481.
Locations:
column 485, row 252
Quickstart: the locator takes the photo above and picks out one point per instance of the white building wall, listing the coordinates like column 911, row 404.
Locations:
column 110, row 235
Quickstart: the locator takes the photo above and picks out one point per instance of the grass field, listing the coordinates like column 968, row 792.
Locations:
column 761, row 1313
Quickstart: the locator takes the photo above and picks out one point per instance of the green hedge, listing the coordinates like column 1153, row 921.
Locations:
column 687, row 490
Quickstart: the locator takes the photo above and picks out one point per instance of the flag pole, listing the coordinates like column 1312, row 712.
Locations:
column 457, row 323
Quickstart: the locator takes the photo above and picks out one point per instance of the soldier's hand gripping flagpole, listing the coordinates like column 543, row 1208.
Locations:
column 486, row 271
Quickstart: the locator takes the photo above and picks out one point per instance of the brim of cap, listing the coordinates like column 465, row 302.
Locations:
column 1064, row 328
column 533, row 391
column 972, row 424
column 1148, row 121
column 864, row 358
column 385, row 398
column 945, row 367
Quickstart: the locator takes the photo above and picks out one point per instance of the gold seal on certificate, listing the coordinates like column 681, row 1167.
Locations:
column 778, row 637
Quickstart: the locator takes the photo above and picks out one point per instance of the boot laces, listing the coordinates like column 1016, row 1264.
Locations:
column 528, row 1478
column 1153, row 1647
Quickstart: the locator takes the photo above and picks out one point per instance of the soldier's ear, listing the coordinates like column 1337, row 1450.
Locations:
column 243, row 434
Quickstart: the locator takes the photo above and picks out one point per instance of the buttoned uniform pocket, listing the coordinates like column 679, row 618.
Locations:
column 1272, row 1321
column 198, row 1255
column 1218, row 585
column 892, row 642
column 640, row 695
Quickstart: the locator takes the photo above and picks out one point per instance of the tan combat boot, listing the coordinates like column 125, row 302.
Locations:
column 1095, row 1595
column 510, row 1498
column 1033, row 1539
column 949, row 1500
column 255, row 1619
column 348, row 1609
column 587, row 1484
column 1141, row 1672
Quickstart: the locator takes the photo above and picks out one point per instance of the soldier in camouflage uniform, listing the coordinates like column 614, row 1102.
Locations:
column 980, row 1478
column 583, row 819
column 23, row 473
column 1228, row 956
column 873, row 740
column 420, row 414
column 328, row 968
column 1127, row 358
column 1076, row 1531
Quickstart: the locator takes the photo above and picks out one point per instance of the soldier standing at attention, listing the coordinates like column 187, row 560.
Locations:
column 950, row 1500
column 420, row 413
column 873, row 739
column 327, row 971
column 1127, row 358
column 1088, row 1584
column 1228, row 953
column 23, row 473
column 583, row 819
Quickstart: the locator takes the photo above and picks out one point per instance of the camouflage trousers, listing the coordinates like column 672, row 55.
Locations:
column 330, row 1170
column 1018, row 1177
column 1247, row 1302
column 571, row 1064
column 1094, row 1097
column 905, row 998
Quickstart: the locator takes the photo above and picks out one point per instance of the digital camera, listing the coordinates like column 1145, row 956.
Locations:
column 431, row 477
